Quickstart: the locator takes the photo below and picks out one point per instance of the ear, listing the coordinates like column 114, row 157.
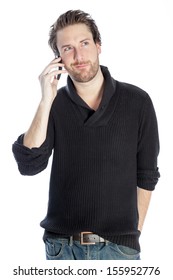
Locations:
column 98, row 48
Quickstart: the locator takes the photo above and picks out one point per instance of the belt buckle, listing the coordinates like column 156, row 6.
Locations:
column 81, row 238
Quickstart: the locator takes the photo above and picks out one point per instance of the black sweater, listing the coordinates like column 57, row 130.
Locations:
column 98, row 162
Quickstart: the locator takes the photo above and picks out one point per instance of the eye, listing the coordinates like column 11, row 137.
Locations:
column 85, row 43
column 67, row 49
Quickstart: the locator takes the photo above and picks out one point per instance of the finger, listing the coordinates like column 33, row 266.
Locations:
column 54, row 64
column 54, row 73
column 51, row 68
column 57, row 59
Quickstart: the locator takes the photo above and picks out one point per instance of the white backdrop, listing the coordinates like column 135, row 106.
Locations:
column 137, row 48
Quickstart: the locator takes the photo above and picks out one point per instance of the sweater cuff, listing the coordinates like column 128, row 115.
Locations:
column 147, row 179
column 30, row 161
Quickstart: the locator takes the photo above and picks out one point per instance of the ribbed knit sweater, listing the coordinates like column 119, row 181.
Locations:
column 98, row 162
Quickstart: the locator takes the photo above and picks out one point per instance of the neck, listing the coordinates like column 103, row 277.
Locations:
column 92, row 91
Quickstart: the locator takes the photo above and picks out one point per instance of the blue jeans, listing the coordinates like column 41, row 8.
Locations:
column 63, row 249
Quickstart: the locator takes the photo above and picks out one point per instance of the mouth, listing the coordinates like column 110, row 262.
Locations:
column 81, row 65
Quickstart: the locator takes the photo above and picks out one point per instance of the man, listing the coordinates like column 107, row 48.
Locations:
column 105, row 140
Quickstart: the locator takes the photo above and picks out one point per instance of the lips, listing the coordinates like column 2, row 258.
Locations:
column 79, row 66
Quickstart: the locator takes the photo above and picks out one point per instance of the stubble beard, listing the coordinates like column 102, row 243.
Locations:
column 83, row 75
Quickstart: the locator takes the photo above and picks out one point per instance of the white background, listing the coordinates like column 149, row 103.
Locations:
column 137, row 47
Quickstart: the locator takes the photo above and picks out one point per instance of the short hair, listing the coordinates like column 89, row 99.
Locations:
column 69, row 18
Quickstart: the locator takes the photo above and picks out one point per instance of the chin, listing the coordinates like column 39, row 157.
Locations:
column 83, row 78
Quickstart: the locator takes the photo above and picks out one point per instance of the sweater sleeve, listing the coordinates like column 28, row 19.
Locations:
column 148, row 148
column 33, row 161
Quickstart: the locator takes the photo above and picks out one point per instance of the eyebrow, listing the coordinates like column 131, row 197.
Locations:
column 68, row 45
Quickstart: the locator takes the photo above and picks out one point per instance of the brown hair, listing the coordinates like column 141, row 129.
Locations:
column 69, row 18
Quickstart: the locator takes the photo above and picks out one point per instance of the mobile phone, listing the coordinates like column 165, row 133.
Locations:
column 60, row 68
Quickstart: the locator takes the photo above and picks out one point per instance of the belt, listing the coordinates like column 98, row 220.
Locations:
column 88, row 238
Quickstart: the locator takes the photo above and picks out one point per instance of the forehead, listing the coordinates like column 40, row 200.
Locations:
column 73, row 33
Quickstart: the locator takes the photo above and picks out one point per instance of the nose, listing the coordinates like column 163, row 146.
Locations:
column 78, row 54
